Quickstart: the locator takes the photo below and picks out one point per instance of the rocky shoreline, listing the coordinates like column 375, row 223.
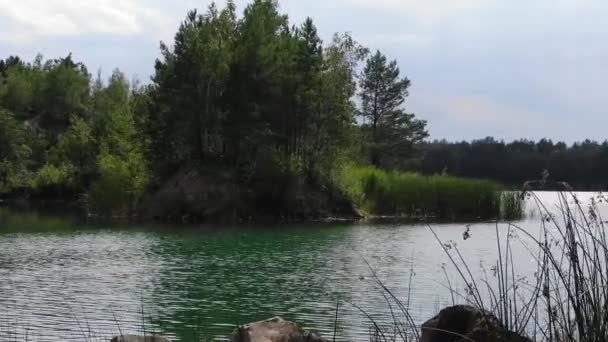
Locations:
column 459, row 323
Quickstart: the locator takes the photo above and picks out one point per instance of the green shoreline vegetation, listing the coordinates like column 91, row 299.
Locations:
column 418, row 196
column 264, row 100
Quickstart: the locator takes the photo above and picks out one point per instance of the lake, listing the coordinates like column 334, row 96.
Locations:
column 65, row 280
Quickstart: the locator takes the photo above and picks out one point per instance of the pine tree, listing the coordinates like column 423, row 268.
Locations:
column 392, row 132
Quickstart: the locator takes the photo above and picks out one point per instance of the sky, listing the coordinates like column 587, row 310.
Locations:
column 504, row 68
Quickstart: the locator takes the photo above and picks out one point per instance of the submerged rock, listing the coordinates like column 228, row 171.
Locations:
column 134, row 338
column 274, row 330
column 464, row 323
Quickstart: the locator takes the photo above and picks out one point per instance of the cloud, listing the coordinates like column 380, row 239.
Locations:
column 476, row 116
column 432, row 8
column 31, row 19
column 509, row 68
column 417, row 40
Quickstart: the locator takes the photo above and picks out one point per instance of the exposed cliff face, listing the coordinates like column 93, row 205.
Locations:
column 195, row 194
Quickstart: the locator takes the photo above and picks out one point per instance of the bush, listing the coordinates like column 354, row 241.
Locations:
column 121, row 184
column 53, row 177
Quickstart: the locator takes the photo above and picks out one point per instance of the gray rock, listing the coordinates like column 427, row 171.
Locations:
column 464, row 323
column 134, row 338
column 274, row 330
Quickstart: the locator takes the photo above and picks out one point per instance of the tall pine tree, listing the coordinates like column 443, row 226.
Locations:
column 392, row 133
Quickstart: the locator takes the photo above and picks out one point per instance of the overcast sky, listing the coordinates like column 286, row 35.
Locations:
column 504, row 68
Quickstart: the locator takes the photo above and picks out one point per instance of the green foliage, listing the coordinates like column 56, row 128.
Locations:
column 66, row 90
column 48, row 94
column 123, row 171
column 252, row 84
column 392, row 133
column 583, row 165
column 16, row 90
column 76, row 147
column 14, row 152
column 113, row 96
column 121, row 184
column 256, row 95
column 189, row 83
column 52, row 177
column 416, row 196
column 67, row 136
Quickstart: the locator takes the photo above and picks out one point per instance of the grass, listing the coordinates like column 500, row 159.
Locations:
column 441, row 197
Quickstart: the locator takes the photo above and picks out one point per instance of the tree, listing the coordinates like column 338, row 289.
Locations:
column 76, row 150
column 330, row 126
column 16, row 89
column 112, row 97
column 392, row 131
column 66, row 92
column 14, row 151
column 260, row 83
column 123, row 171
column 189, row 82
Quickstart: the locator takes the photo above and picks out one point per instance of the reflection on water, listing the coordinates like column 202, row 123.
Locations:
column 63, row 280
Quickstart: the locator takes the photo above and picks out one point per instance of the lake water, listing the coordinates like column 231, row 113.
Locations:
column 64, row 280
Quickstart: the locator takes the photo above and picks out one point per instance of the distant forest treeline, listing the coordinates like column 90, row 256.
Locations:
column 583, row 165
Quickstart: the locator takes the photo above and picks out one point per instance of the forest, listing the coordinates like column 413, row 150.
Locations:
column 583, row 165
column 254, row 95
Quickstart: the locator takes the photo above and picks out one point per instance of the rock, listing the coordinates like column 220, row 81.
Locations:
column 133, row 338
column 464, row 323
column 193, row 195
column 274, row 330
column 207, row 194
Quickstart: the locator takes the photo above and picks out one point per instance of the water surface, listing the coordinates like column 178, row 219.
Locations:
column 65, row 280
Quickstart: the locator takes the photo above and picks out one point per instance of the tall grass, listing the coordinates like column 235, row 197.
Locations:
column 566, row 299
column 415, row 196
column 574, row 264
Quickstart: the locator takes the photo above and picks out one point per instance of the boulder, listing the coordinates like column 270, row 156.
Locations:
column 274, row 330
column 464, row 323
column 134, row 338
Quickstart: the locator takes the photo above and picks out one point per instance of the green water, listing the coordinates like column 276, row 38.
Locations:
column 62, row 279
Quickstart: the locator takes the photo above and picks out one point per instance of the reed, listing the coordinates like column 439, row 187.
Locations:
column 566, row 299
column 442, row 197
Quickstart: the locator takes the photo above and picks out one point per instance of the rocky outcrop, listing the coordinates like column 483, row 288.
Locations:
column 274, row 330
column 198, row 194
column 133, row 338
column 464, row 324
column 194, row 196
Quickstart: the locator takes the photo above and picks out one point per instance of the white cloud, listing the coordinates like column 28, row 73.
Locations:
column 35, row 18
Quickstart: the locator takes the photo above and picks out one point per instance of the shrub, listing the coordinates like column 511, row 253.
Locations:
column 52, row 177
column 121, row 184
